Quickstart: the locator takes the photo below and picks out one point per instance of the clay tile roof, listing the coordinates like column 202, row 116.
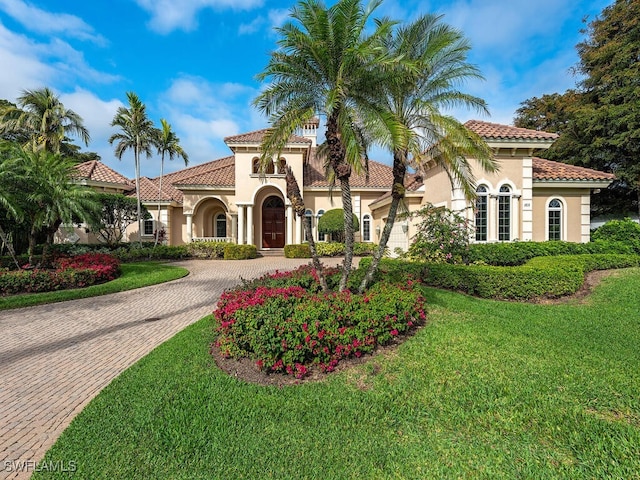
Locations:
column 505, row 132
column 219, row 173
column 256, row 137
column 412, row 182
column 149, row 191
column 549, row 170
column 380, row 176
column 99, row 172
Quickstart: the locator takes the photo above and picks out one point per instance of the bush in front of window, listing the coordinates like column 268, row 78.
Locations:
column 332, row 222
column 206, row 249
column 618, row 230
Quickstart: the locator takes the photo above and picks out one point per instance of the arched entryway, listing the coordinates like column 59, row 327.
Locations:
column 273, row 224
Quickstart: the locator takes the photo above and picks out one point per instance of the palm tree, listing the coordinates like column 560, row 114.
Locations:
column 326, row 65
column 137, row 133
column 167, row 143
column 42, row 121
column 8, row 196
column 50, row 197
column 437, row 56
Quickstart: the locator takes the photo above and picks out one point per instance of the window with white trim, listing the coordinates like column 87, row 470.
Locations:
column 482, row 213
column 148, row 227
column 366, row 228
column 504, row 214
column 307, row 214
column 554, row 219
column 321, row 236
column 221, row 225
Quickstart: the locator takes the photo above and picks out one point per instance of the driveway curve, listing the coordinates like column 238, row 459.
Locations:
column 55, row 358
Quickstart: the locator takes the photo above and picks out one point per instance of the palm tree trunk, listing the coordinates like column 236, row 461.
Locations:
column 33, row 236
column 295, row 197
column 348, row 232
column 397, row 194
column 9, row 245
column 139, row 209
column 159, row 198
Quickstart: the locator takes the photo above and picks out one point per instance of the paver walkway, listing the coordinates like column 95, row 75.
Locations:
column 55, row 358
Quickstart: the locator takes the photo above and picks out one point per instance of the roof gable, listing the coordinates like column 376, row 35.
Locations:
column 96, row 171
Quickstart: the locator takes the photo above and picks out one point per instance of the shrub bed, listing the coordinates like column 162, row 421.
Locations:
column 206, row 249
column 289, row 328
column 73, row 272
column 328, row 249
column 540, row 277
column 239, row 252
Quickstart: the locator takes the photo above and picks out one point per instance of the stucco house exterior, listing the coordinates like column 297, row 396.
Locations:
column 227, row 199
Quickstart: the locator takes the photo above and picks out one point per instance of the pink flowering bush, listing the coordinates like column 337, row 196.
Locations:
column 289, row 329
column 69, row 272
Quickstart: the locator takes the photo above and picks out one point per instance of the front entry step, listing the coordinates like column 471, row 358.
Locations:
column 273, row 252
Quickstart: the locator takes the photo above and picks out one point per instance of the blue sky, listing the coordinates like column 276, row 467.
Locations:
column 194, row 62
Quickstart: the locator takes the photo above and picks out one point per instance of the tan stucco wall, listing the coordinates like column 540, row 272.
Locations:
column 575, row 213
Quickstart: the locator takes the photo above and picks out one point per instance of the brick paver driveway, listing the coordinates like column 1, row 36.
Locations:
column 55, row 358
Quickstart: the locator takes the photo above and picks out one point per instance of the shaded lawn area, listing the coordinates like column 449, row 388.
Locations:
column 485, row 390
column 134, row 275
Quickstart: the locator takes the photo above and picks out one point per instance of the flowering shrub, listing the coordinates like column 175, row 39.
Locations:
column 443, row 236
column 290, row 328
column 70, row 272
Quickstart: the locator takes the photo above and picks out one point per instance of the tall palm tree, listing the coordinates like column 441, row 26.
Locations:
column 326, row 65
column 425, row 83
column 137, row 134
column 42, row 121
column 168, row 144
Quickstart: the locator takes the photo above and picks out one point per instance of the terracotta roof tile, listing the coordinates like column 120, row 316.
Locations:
column 506, row 132
column 149, row 190
column 219, row 173
column 99, row 172
column 380, row 176
column 412, row 182
column 258, row 135
column 549, row 170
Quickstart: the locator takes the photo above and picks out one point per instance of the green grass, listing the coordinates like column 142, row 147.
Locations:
column 485, row 390
column 134, row 275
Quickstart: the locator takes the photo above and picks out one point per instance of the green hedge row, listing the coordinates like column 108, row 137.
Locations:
column 328, row 249
column 541, row 277
column 517, row 253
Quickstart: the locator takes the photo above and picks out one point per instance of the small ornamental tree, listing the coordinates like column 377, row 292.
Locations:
column 117, row 213
column 618, row 231
column 443, row 236
column 332, row 222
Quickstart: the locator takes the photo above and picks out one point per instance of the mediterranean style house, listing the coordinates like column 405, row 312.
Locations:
column 228, row 200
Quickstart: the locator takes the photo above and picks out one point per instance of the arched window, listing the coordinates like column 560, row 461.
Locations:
column 504, row 214
column 554, row 219
column 321, row 236
column 366, row 228
column 282, row 166
column 308, row 214
column 482, row 205
column 221, row 225
column 255, row 165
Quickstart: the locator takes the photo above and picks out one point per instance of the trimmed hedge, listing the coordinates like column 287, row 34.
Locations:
column 517, row 253
column 329, row 249
column 541, row 277
column 206, row 249
column 239, row 252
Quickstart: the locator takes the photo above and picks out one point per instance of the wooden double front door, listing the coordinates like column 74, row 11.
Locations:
column 273, row 226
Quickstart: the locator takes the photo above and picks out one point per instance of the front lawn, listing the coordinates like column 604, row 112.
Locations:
column 485, row 390
column 134, row 275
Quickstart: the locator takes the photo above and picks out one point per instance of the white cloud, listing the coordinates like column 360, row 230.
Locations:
column 251, row 27
column 40, row 21
column 169, row 15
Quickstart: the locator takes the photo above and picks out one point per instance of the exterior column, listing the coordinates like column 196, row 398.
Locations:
column 189, row 227
column 527, row 199
column 289, row 224
column 250, row 239
column 240, row 224
column 234, row 227
column 298, row 230
column 492, row 223
column 516, row 227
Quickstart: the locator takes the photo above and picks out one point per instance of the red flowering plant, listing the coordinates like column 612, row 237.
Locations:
column 70, row 272
column 290, row 329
